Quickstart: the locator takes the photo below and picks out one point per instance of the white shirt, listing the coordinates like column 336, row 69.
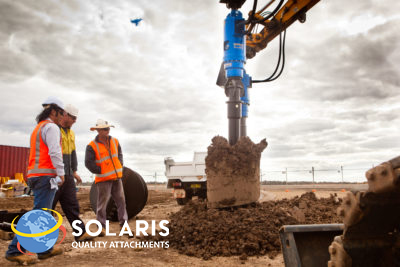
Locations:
column 51, row 136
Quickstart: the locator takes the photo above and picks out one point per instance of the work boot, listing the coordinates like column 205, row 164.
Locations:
column 85, row 237
column 22, row 258
column 102, row 233
column 54, row 252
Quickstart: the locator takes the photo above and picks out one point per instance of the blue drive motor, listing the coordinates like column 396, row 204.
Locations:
column 237, row 79
column 234, row 45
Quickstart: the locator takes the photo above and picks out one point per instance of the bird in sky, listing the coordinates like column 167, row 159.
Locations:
column 136, row 21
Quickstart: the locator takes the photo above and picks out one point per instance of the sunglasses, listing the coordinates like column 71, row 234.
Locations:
column 72, row 117
column 105, row 129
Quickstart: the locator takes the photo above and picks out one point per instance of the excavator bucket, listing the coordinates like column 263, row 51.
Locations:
column 233, row 172
column 371, row 221
column 307, row 245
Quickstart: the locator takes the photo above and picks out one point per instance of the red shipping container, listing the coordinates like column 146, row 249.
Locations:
column 13, row 159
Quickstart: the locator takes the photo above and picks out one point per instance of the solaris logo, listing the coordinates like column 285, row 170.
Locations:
column 37, row 231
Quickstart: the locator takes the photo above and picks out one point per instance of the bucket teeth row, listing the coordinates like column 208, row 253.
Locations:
column 383, row 178
column 371, row 221
column 350, row 209
column 339, row 256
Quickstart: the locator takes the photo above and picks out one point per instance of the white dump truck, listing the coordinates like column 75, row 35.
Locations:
column 188, row 179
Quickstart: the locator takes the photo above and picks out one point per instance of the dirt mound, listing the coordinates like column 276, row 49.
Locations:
column 246, row 231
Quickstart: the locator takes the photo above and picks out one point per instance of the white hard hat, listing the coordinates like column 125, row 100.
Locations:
column 72, row 110
column 53, row 100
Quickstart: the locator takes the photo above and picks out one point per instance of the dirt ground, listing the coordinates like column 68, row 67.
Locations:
column 162, row 206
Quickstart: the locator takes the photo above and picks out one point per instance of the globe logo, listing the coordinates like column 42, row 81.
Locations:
column 37, row 230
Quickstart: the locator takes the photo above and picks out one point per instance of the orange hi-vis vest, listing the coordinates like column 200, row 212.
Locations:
column 40, row 163
column 111, row 168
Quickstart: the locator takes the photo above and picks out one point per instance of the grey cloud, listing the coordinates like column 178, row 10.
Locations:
column 156, row 147
column 16, row 66
column 300, row 128
column 341, row 67
column 382, row 142
column 369, row 114
column 362, row 69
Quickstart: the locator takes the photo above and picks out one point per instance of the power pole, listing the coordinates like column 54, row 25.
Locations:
column 286, row 174
column 341, row 169
column 312, row 171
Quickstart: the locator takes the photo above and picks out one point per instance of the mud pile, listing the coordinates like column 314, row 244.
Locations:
column 233, row 172
column 245, row 231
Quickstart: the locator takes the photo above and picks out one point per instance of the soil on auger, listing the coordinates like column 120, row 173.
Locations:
column 233, row 172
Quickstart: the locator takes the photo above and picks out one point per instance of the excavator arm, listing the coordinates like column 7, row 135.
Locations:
column 242, row 41
column 272, row 23
column 288, row 13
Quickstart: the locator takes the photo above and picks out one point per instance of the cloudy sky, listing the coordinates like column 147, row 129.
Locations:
column 336, row 104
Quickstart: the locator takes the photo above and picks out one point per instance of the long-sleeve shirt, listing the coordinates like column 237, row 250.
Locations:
column 52, row 138
column 90, row 157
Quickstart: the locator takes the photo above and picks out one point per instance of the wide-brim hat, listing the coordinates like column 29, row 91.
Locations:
column 101, row 124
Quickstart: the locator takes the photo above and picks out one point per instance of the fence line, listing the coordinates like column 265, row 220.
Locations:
column 310, row 174
column 156, row 177
column 287, row 174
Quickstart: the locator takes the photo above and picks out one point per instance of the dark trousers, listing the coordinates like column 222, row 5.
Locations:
column 43, row 197
column 66, row 194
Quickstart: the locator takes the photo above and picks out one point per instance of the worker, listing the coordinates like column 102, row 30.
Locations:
column 104, row 159
column 66, row 194
column 45, row 168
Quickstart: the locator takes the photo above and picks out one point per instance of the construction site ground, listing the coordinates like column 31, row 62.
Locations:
column 160, row 206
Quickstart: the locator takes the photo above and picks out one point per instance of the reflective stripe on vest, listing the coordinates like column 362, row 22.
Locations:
column 108, row 173
column 98, row 149
column 35, row 170
column 111, row 166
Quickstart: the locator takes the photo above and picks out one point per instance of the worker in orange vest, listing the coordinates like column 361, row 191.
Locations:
column 45, row 170
column 104, row 159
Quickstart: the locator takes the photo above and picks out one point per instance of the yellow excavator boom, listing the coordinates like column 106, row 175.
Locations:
column 291, row 11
